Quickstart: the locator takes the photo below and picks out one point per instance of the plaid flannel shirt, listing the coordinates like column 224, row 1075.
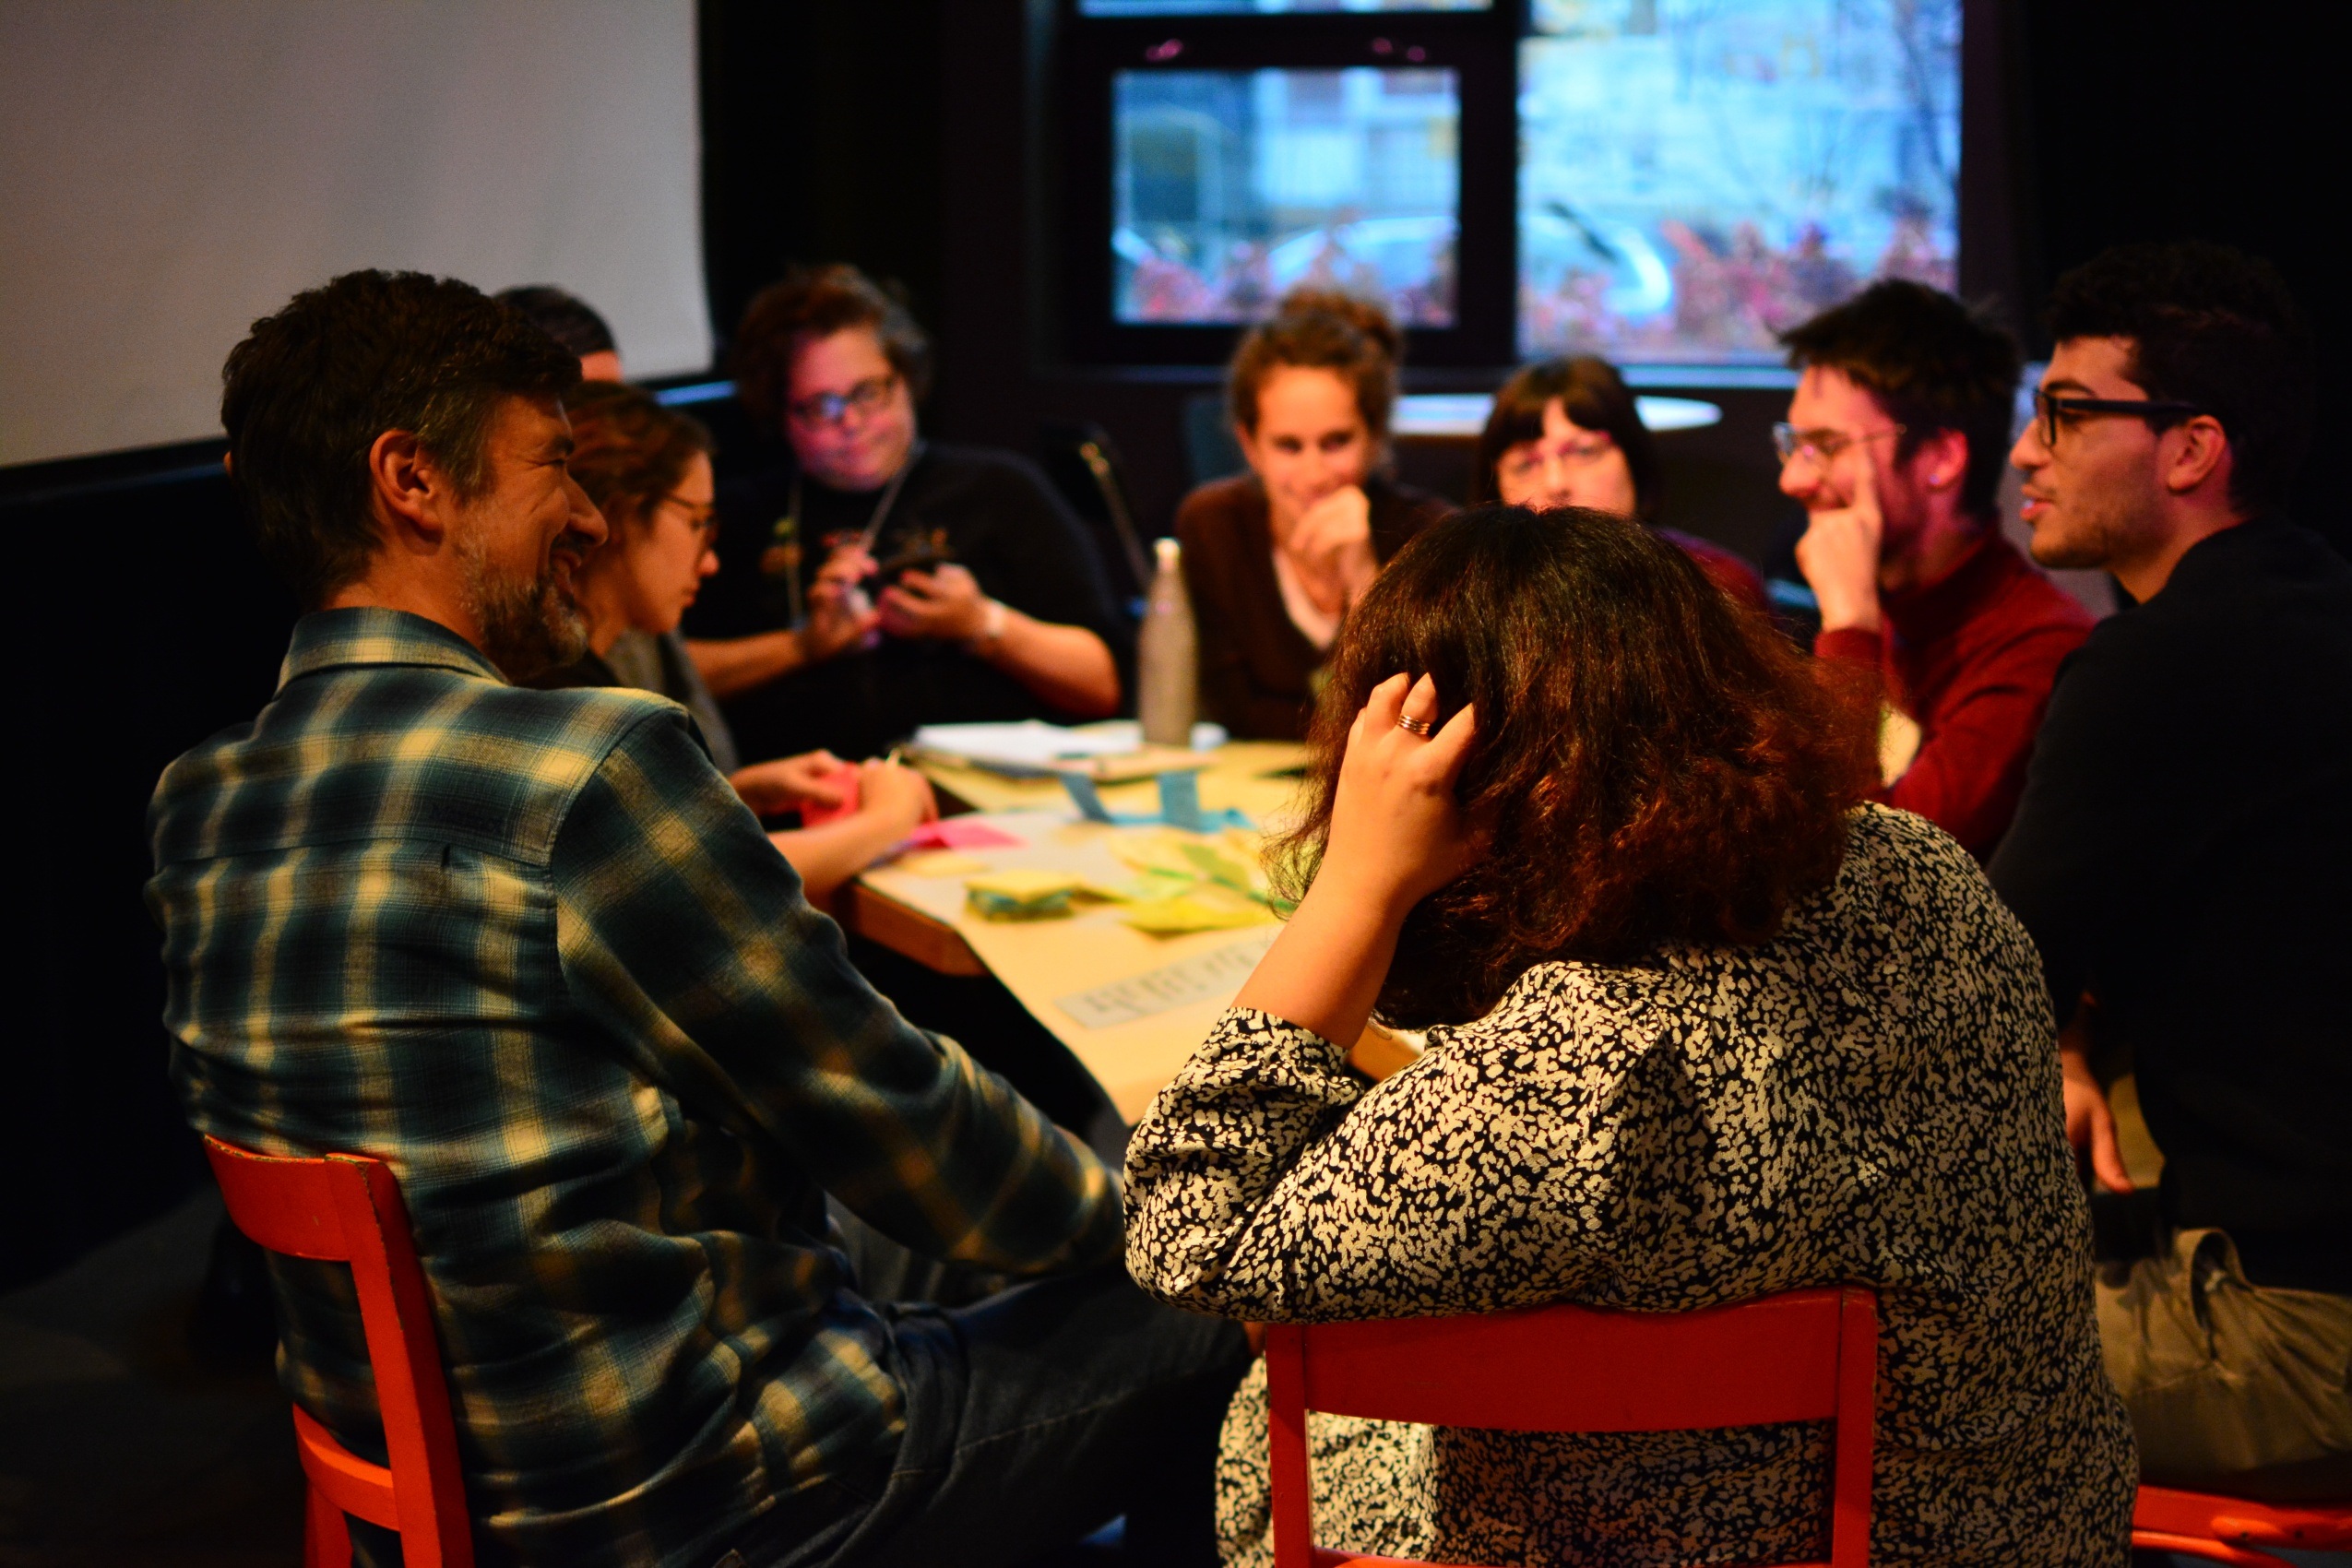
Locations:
column 528, row 948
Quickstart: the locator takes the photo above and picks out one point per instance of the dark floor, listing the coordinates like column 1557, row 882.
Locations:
column 118, row 1446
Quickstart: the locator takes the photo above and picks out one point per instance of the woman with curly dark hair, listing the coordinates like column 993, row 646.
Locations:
column 1275, row 558
column 1701, row 1027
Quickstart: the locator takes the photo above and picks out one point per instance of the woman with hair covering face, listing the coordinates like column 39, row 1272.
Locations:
column 647, row 468
column 1701, row 1028
column 1569, row 432
column 1275, row 558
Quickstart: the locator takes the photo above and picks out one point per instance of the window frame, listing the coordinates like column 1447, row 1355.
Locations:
column 1481, row 47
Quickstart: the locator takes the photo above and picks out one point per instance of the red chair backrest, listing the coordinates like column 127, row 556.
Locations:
column 2232, row 1529
column 347, row 1209
column 1802, row 1356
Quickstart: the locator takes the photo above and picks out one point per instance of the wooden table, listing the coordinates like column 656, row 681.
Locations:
column 1042, row 962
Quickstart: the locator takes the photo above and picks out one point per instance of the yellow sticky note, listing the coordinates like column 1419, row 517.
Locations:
column 1173, row 916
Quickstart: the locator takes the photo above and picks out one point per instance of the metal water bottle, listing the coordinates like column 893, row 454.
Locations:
column 1167, row 654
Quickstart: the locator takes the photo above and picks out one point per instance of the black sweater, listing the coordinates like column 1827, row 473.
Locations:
column 2184, row 848
column 1001, row 519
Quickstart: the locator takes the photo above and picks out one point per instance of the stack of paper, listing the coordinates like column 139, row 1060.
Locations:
column 1033, row 749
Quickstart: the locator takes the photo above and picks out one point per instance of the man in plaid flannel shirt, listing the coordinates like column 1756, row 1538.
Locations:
column 531, row 949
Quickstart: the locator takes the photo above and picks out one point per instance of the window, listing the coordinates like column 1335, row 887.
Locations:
column 1232, row 186
column 1263, row 7
column 1696, row 176
column 1664, row 182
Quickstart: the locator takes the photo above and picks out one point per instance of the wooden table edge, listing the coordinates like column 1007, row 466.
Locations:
column 902, row 927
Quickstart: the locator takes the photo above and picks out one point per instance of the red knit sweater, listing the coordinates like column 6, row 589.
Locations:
column 1970, row 659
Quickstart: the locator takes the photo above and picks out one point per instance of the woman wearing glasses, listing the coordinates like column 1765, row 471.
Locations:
column 1567, row 432
column 878, row 581
column 647, row 468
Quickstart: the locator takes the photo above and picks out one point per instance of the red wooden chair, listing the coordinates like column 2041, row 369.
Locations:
column 2232, row 1529
column 347, row 1209
column 1801, row 1356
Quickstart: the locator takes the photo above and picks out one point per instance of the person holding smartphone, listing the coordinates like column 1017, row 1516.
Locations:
column 878, row 581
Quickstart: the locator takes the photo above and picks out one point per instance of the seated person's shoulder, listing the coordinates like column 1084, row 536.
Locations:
column 988, row 474
column 1900, row 864
column 2034, row 601
column 1221, row 512
column 594, row 718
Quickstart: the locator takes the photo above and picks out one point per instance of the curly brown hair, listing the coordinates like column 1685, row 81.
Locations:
column 628, row 451
column 1657, row 765
column 817, row 301
column 1320, row 330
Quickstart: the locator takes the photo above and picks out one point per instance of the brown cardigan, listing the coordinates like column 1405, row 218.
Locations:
column 1257, row 668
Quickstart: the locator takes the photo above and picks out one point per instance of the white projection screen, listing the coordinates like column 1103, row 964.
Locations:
column 170, row 170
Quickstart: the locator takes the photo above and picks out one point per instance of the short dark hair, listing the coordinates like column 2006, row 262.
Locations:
column 310, row 389
column 565, row 318
column 628, row 451
column 1593, row 397
column 817, row 301
column 1933, row 363
column 2213, row 327
column 1318, row 328
column 1659, row 763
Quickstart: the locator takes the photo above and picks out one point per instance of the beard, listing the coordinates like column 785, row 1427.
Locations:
column 2107, row 524
column 529, row 625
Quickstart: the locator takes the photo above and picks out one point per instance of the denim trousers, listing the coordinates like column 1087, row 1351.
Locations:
column 1032, row 1418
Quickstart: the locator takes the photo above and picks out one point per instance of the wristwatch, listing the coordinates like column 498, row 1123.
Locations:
column 992, row 630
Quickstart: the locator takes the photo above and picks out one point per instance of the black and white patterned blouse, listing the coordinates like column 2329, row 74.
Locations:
column 1873, row 1095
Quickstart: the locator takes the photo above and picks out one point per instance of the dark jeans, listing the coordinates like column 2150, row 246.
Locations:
column 1033, row 1418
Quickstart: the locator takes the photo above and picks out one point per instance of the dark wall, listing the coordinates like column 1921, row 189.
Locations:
column 2157, row 119
column 159, row 627
column 821, row 137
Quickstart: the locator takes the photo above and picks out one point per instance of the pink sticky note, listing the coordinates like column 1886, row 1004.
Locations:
column 961, row 833
column 844, row 778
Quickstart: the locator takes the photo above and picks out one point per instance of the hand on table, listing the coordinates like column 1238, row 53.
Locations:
column 944, row 605
column 1332, row 547
column 1396, row 833
column 787, row 783
column 1839, row 553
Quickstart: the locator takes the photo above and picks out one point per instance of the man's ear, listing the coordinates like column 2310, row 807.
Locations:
column 2192, row 452
column 408, row 493
column 1941, row 461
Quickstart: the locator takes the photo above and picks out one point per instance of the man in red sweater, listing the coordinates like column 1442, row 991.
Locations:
column 1895, row 444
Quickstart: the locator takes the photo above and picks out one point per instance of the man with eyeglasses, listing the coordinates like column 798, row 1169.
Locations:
column 2183, row 857
column 879, row 581
column 1894, row 443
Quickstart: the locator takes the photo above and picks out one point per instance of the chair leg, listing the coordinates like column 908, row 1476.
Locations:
column 327, row 1534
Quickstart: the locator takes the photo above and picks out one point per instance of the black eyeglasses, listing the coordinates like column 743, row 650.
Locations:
column 2048, row 409
column 831, row 407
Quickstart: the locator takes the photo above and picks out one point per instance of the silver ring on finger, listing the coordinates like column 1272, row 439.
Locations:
column 1424, row 728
